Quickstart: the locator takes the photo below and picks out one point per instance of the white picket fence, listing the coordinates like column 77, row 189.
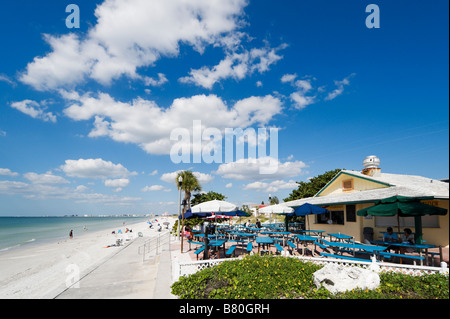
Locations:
column 189, row 268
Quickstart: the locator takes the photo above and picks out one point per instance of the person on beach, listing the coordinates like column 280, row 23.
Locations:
column 71, row 234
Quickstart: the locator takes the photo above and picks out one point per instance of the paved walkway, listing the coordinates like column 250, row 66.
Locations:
column 126, row 276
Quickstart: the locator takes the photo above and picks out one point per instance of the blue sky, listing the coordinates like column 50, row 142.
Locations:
column 86, row 114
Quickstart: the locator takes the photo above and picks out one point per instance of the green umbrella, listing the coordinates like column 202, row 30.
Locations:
column 404, row 207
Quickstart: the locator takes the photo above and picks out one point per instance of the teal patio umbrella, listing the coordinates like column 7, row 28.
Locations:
column 402, row 206
column 308, row 209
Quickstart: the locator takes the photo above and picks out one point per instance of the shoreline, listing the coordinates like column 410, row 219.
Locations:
column 78, row 231
column 43, row 270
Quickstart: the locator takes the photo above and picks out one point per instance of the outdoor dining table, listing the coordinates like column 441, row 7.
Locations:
column 373, row 249
column 247, row 236
column 263, row 241
column 283, row 234
column 217, row 243
column 304, row 240
column 313, row 232
column 252, row 229
column 418, row 247
column 340, row 237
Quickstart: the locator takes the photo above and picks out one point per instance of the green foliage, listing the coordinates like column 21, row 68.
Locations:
column 192, row 222
column 253, row 277
column 189, row 184
column 201, row 198
column 315, row 184
column 268, row 277
column 274, row 200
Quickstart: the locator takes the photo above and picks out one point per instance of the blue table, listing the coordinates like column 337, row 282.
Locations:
column 340, row 237
column 243, row 234
column 419, row 247
column 314, row 232
column 217, row 243
column 354, row 246
column 202, row 235
column 263, row 241
column 247, row 236
column 304, row 240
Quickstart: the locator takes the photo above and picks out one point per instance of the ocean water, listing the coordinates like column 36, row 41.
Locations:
column 17, row 232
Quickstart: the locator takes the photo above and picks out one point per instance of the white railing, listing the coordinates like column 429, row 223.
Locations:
column 155, row 244
column 189, row 268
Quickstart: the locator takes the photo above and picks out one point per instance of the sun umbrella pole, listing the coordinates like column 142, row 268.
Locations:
column 182, row 228
column 418, row 227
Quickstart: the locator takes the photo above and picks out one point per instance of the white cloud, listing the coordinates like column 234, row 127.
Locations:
column 152, row 82
column 134, row 33
column 7, row 172
column 34, row 109
column 301, row 101
column 155, row 172
column 117, row 184
column 303, row 96
column 81, row 188
column 288, row 78
column 272, row 186
column 2, row 133
column 94, row 168
column 236, row 66
column 5, row 78
column 250, row 169
column 78, row 194
column 148, row 125
column 299, row 97
column 340, row 88
column 201, row 177
column 155, row 188
column 229, row 185
column 47, row 178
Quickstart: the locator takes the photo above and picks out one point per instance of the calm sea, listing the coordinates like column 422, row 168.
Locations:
column 19, row 231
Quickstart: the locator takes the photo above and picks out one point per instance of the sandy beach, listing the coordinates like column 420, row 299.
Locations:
column 45, row 270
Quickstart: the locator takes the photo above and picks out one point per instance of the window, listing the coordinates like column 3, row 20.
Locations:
column 334, row 217
column 428, row 221
column 351, row 213
column 347, row 185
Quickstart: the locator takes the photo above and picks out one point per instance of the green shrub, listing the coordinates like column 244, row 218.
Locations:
column 256, row 277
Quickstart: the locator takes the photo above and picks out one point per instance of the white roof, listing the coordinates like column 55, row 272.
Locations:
column 404, row 185
column 421, row 185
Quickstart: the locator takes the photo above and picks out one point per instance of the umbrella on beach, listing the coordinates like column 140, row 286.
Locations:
column 235, row 213
column 402, row 206
column 189, row 214
column 214, row 206
column 276, row 209
column 308, row 209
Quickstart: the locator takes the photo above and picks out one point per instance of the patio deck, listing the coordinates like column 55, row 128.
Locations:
column 241, row 250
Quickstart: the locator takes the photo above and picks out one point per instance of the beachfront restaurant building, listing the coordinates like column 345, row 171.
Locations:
column 350, row 191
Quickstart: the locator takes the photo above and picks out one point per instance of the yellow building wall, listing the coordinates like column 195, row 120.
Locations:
column 434, row 236
column 349, row 228
column 359, row 184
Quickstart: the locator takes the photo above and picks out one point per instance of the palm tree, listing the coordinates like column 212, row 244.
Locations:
column 189, row 184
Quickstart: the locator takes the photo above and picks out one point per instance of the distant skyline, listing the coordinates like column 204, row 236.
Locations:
column 86, row 114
